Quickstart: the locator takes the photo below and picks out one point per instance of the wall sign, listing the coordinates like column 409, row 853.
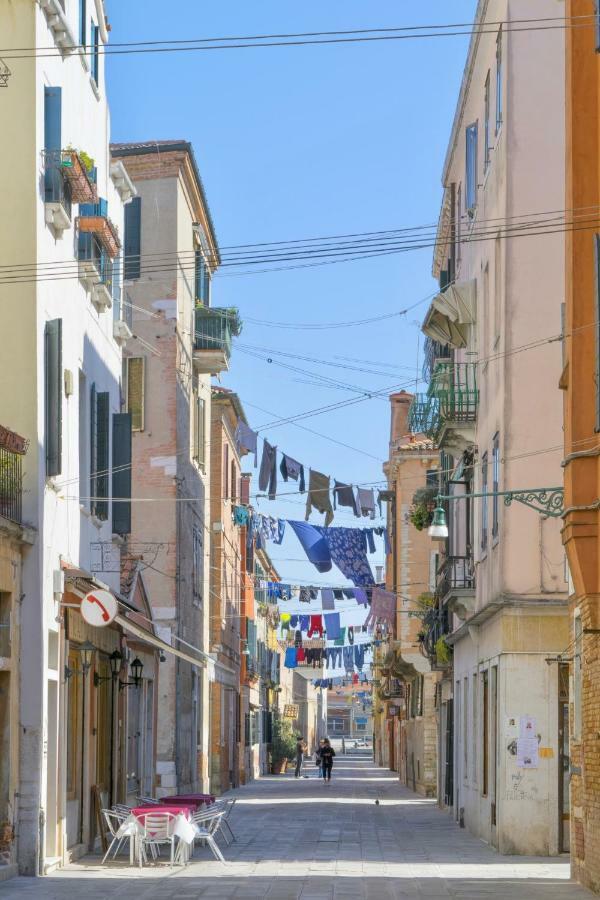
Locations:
column 99, row 608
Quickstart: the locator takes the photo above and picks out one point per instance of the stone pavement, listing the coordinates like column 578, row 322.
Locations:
column 300, row 839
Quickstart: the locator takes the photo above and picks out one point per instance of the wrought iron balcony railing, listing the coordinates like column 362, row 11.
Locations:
column 452, row 398
column 457, row 573
column 213, row 329
column 11, row 484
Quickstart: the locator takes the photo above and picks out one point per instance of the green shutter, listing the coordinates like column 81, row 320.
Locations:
column 133, row 239
column 121, row 475
column 102, row 459
column 53, row 396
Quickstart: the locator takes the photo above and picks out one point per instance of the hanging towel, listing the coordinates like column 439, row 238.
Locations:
column 347, row 550
column 361, row 597
column 327, row 600
column 246, row 439
column 366, row 502
column 291, row 659
column 318, row 496
column 332, row 625
column 316, row 626
column 291, row 468
column 304, row 623
column 267, row 477
column 340, row 641
column 345, row 495
column 313, row 545
column 241, row 515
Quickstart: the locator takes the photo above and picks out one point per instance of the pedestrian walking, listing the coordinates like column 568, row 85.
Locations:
column 327, row 754
column 318, row 761
column 301, row 748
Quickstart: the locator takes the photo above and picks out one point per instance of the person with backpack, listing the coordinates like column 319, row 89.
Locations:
column 327, row 754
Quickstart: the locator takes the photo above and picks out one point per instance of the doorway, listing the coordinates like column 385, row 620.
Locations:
column 564, row 814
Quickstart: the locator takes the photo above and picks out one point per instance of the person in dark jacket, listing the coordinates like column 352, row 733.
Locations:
column 327, row 754
column 318, row 762
column 301, row 748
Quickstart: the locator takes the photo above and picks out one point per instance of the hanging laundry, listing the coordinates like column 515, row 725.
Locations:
column 246, row 439
column 318, row 496
column 327, row 598
column 348, row 656
column 294, row 621
column 291, row 658
column 366, row 502
column 359, row 656
column 383, row 608
column 351, row 634
column 355, row 681
column 316, row 626
column 291, row 468
column 345, row 495
column 297, row 638
column 349, row 593
column 340, row 640
column 347, row 550
column 300, row 655
column 241, row 515
column 267, row 477
column 304, row 595
column 284, row 622
column 368, row 532
column 304, row 623
column 313, row 545
column 338, row 594
column 314, row 656
column 383, row 532
column 332, row 625
column 334, row 657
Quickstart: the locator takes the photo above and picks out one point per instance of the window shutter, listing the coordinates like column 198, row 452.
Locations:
column 116, row 288
column 199, row 276
column 102, row 457
column 52, row 139
column 245, row 490
column 206, row 287
column 95, row 58
column 121, row 475
column 135, row 391
column 133, row 239
column 82, row 22
column 53, row 395
column 93, row 447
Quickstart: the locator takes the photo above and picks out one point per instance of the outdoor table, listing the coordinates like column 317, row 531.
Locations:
column 140, row 812
column 195, row 799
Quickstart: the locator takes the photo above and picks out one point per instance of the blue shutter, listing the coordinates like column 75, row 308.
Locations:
column 199, row 276
column 102, row 459
column 471, row 167
column 52, row 142
column 53, row 396
column 82, row 22
column 93, row 446
column 116, row 288
column 133, row 239
column 121, row 475
column 94, row 33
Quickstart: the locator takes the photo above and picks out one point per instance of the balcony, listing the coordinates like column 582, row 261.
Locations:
column 58, row 196
column 12, row 450
column 456, row 585
column 447, row 413
column 95, row 270
column 214, row 329
column 433, row 643
column 58, row 25
column 98, row 224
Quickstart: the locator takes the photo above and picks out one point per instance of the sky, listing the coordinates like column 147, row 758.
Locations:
column 303, row 142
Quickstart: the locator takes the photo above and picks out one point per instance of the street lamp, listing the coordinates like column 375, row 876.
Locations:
column 546, row 501
column 116, row 661
column 438, row 530
column 136, row 673
column 86, row 651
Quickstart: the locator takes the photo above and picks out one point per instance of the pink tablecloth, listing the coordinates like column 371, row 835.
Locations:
column 193, row 799
column 140, row 812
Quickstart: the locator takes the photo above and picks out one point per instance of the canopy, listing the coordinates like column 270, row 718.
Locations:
column 451, row 313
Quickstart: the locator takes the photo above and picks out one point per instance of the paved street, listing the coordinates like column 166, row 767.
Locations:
column 314, row 841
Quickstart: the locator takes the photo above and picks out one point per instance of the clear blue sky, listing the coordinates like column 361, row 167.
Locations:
column 305, row 142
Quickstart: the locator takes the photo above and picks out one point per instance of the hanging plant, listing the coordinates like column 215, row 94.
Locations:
column 235, row 322
column 443, row 652
column 423, row 505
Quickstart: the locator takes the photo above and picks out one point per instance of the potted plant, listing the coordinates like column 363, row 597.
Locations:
column 283, row 746
column 423, row 505
column 443, row 652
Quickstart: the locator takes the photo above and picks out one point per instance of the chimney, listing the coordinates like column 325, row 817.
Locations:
column 399, row 424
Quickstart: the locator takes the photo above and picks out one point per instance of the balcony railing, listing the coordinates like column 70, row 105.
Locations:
column 452, row 399
column 214, row 329
column 457, row 573
column 100, row 225
column 437, row 626
column 92, row 252
column 11, row 483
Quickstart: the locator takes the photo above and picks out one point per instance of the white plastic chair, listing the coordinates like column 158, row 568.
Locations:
column 208, row 823
column 156, row 828
column 114, row 819
column 224, row 807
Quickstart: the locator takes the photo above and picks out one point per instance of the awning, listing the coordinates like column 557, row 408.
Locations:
column 149, row 638
column 451, row 314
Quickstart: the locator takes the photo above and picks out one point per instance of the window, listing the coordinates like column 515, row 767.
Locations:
column 465, row 707
column 597, row 348
column 486, row 124
column 495, row 484
column 53, row 183
column 458, row 226
column 99, row 447
column 84, row 471
column 233, row 485
column 499, row 96
column 497, row 288
column 94, row 35
column 53, row 396
column 577, row 678
column 484, row 501
column 225, row 493
column 202, row 279
column 474, row 700
column 485, row 734
column 133, row 239
column 197, row 564
column 82, row 22
column 199, row 427
column 471, row 168
column 135, row 366
column 121, row 473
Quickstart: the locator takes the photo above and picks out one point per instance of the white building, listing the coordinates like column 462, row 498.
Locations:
column 61, row 319
column 497, row 419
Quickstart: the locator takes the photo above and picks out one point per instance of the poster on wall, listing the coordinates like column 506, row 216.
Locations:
column 527, row 753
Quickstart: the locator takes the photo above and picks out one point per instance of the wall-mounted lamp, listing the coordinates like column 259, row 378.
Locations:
column 86, row 651
column 136, row 673
column 116, row 661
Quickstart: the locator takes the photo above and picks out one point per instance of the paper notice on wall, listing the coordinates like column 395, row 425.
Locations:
column 527, row 753
column 511, row 727
column 527, row 727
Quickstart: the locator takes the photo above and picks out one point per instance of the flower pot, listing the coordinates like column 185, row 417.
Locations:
column 280, row 766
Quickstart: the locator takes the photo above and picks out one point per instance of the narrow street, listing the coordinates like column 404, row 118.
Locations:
column 314, row 841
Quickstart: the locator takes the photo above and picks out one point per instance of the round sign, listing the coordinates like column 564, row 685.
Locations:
column 99, row 608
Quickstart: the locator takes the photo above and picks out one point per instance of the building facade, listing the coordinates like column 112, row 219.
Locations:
column 579, row 381
column 501, row 591
column 180, row 341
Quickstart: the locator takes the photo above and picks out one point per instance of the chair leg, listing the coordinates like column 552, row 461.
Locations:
column 109, row 849
column 215, row 848
column 229, row 829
